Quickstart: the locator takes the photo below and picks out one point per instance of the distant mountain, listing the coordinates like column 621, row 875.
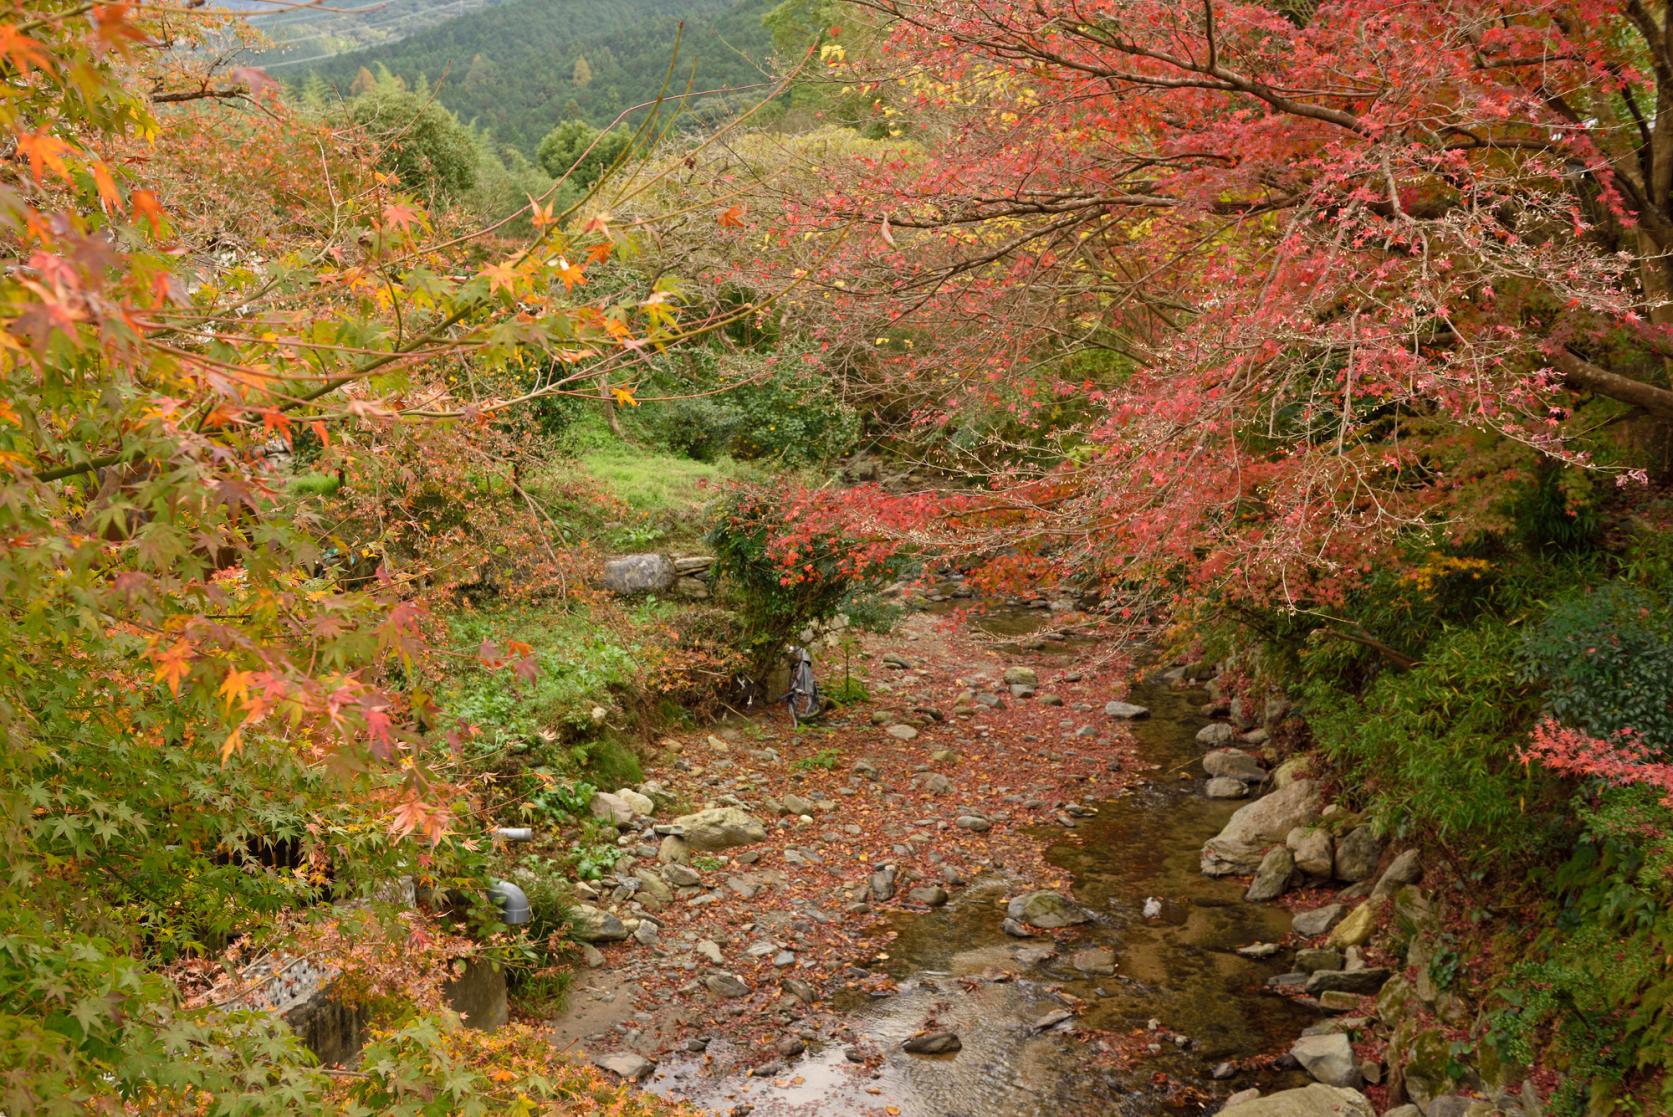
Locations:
column 304, row 36
column 520, row 67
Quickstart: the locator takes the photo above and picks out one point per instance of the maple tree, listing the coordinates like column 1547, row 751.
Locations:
column 1277, row 285
column 203, row 662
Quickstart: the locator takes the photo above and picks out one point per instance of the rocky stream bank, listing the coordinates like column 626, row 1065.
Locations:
column 1006, row 887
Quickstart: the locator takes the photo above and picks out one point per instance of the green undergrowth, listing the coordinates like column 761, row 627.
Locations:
column 1424, row 688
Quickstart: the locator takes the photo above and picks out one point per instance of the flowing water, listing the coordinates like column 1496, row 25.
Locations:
column 1176, row 967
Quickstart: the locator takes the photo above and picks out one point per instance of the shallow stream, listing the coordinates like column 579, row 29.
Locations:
column 1176, row 968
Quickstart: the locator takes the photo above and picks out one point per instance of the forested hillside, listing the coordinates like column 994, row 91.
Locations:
column 519, row 68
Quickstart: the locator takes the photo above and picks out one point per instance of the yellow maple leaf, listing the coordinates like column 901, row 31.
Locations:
column 624, row 397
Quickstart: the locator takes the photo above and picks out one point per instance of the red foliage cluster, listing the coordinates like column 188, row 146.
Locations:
column 1624, row 759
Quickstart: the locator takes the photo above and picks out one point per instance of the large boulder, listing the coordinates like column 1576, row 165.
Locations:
column 1217, row 734
column 1314, row 851
column 1316, row 1100
column 1045, row 910
column 1126, row 711
column 719, row 828
column 1328, row 1058
column 1266, row 822
column 636, row 574
column 609, row 807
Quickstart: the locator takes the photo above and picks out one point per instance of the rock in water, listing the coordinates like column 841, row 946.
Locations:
column 1311, row 1101
column 1254, row 828
column 1222, row 788
column 1045, row 910
column 720, row 828
column 1233, row 764
column 1328, row 1058
column 626, row 1064
column 1273, row 875
column 1217, row 734
column 636, row 574
column 933, row 1043
column 1126, row 711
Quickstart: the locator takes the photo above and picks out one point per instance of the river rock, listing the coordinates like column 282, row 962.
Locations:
column 720, row 828
column 883, row 884
column 1273, row 875
column 900, row 731
column 626, row 1064
column 1357, row 854
column 1233, row 764
column 1312, row 961
column 1328, row 1058
column 1405, row 869
column 1291, row 770
column 933, row 1043
column 796, row 805
column 641, row 805
column 1126, row 711
column 1316, row 1100
column 1317, row 921
column 724, row 984
column 636, row 574
column 975, row 823
column 1217, row 734
column 673, row 851
column 1021, row 676
column 653, row 885
column 1045, row 910
column 1355, row 930
column 608, row 807
column 1239, row 847
column 1315, row 853
column 1361, row 983
column 590, row 924
column 1096, row 960
column 1222, row 788
column 930, row 895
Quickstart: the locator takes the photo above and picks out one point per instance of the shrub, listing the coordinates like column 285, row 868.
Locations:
column 1606, row 658
column 787, row 561
column 1437, row 746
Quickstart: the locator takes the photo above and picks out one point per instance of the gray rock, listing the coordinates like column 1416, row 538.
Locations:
column 1021, row 676
column 1273, row 875
column 1051, row 1020
column 1217, row 734
column 1451, row 1105
column 710, row 950
column 1020, row 690
column 795, row 804
column 1316, row 1100
column 590, row 924
column 1126, row 711
column 973, row 822
column 641, row 805
column 902, row 732
column 1319, row 920
column 1239, row 847
column 1096, row 960
column 1328, row 1058
column 1357, row 853
column 1045, row 910
column 608, row 807
column 933, row 1043
column 720, row 828
column 1242, row 1096
column 1233, row 764
column 1405, row 869
column 690, row 589
column 930, row 895
column 882, row 885
column 1407, row 1110
column 626, row 1064
column 1315, row 852
column 1035, row 955
column 1312, row 961
column 681, row 876
column 1361, row 983
column 1016, row 929
column 726, row 985
column 636, row 574
column 937, row 784
column 673, row 851
column 799, row 989
column 1222, row 788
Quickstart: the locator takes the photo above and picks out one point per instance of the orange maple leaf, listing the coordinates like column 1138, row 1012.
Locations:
column 235, row 686
column 26, row 54
column 144, row 204
column 732, row 218
column 501, row 277
column 174, row 665
column 109, row 193
column 45, row 152
column 572, row 274
column 600, row 252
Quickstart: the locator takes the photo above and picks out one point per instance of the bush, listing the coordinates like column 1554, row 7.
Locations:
column 787, row 562
column 1606, row 658
column 1437, row 746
